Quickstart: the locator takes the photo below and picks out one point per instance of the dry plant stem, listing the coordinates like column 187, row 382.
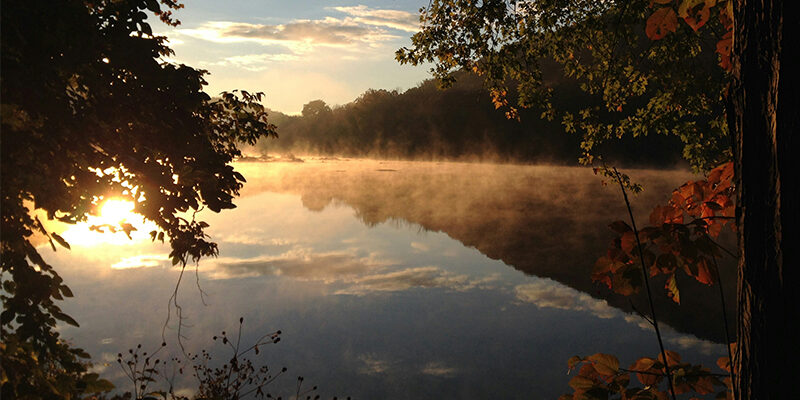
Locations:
column 647, row 285
column 725, row 322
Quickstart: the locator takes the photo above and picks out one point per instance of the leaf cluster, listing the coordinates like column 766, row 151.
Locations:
column 601, row 377
column 680, row 238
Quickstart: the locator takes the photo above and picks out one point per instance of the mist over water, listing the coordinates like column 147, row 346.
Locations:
column 397, row 279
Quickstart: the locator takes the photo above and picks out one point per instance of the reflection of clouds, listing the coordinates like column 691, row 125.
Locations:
column 548, row 293
column 253, row 237
column 372, row 365
column 297, row 263
column 361, row 275
column 439, row 369
column 691, row 342
column 422, row 277
column 420, row 247
column 142, row 261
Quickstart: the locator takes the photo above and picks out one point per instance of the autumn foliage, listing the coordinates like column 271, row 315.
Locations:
column 601, row 377
column 696, row 13
column 680, row 238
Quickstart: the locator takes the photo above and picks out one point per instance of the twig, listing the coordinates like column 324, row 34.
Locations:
column 727, row 330
column 647, row 284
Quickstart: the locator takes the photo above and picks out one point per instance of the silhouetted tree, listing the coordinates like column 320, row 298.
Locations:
column 91, row 111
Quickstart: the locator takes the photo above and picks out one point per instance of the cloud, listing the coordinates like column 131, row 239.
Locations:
column 142, row 261
column 394, row 19
column 372, row 365
column 439, row 369
column 256, row 62
column 548, row 293
column 299, row 35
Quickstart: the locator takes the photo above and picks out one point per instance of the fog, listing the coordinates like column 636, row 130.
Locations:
column 545, row 221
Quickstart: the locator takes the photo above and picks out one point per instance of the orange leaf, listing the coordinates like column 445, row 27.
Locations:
column 627, row 242
column 673, row 358
column 605, row 364
column 724, row 363
column 696, row 12
column 661, row 22
column 704, row 274
column 724, row 50
column 646, row 365
column 581, row 384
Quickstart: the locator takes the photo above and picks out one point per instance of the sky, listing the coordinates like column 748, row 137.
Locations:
column 297, row 51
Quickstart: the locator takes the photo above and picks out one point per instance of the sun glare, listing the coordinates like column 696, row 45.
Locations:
column 113, row 213
column 116, row 211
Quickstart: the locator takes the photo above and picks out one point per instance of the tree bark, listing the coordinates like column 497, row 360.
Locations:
column 766, row 118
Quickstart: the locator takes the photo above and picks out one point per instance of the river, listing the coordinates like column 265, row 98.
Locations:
column 392, row 280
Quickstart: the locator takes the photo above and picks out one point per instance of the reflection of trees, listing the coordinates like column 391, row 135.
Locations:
column 548, row 222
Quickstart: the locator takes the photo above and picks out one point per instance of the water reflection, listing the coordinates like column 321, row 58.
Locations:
column 379, row 293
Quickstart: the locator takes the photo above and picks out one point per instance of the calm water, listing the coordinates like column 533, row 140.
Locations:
column 393, row 280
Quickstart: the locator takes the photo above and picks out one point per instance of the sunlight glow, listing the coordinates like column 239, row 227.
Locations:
column 113, row 213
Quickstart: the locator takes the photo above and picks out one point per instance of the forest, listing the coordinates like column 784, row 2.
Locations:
column 428, row 122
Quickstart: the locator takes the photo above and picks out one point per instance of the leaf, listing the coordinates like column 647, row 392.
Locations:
column 724, row 363
column 672, row 289
column 724, row 50
column 573, row 361
column 99, row 386
column 66, row 318
column 673, row 358
column 620, row 227
column 605, row 364
column 661, row 22
column 61, row 241
column 581, row 384
column 696, row 17
column 628, row 242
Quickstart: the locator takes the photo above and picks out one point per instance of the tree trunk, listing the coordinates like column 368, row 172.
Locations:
column 766, row 102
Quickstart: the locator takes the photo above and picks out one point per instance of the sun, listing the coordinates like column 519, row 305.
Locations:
column 114, row 212
column 106, row 227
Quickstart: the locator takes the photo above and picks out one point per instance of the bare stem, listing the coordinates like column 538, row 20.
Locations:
column 727, row 330
column 647, row 284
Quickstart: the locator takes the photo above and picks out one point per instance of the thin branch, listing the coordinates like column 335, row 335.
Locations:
column 647, row 284
column 725, row 322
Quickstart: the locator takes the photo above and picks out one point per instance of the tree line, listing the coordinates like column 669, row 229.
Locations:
column 460, row 123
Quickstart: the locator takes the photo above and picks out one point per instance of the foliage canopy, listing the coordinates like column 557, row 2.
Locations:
column 91, row 110
column 639, row 86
